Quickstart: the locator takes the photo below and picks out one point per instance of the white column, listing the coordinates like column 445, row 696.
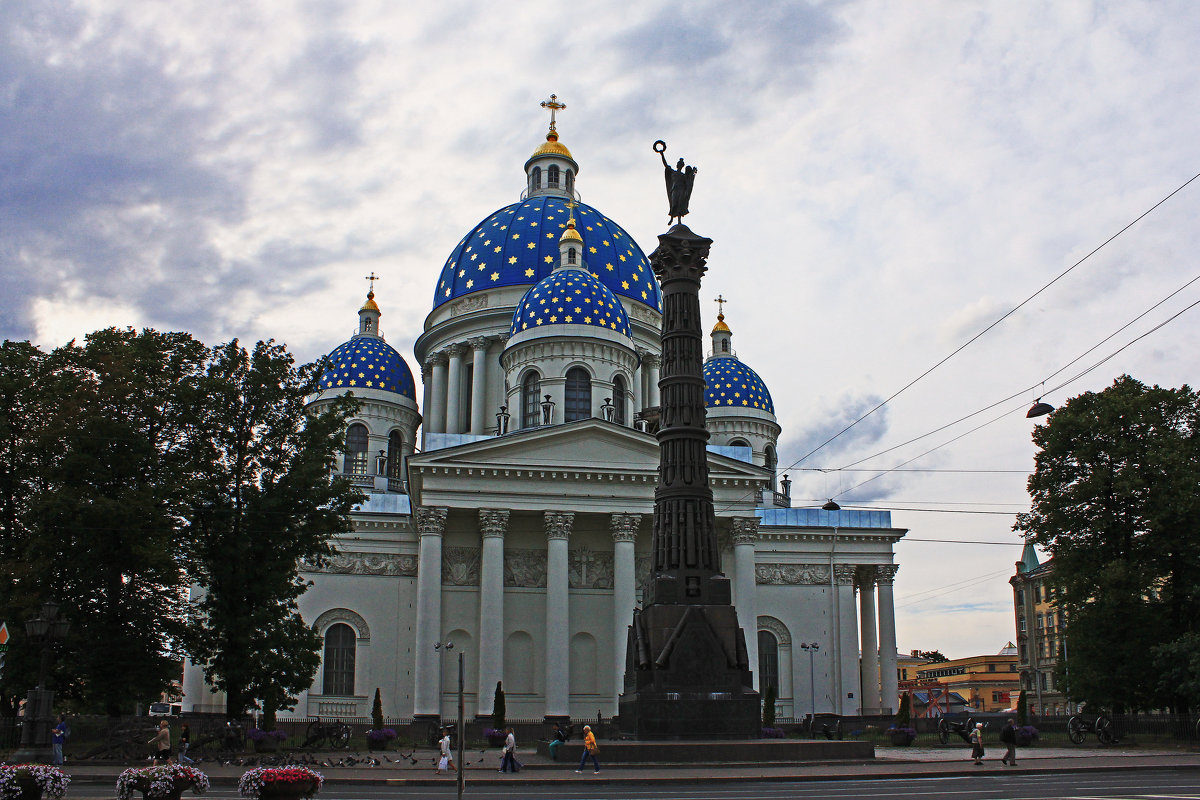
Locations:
column 431, row 524
column 493, row 523
column 870, row 644
column 745, row 536
column 652, row 364
column 196, row 691
column 437, row 416
column 888, row 678
column 427, row 395
column 558, row 643
column 635, row 387
column 846, row 657
column 454, row 389
column 479, row 384
column 624, row 533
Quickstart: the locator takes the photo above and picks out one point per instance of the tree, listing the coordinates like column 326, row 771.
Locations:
column 102, row 429
column 768, row 707
column 377, row 711
column 904, row 715
column 263, row 499
column 932, row 655
column 1114, row 503
column 498, row 708
column 1022, row 709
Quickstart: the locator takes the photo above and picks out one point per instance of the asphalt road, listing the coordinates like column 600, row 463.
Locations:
column 1165, row 784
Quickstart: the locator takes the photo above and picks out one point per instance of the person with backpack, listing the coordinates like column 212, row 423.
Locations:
column 590, row 749
column 1009, row 737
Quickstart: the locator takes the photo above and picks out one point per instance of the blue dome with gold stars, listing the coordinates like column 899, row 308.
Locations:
column 518, row 245
column 570, row 297
column 729, row 382
column 368, row 362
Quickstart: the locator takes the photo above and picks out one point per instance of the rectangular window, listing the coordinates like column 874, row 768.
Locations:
column 991, row 667
column 465, row 405
column 1045, row 683
column 1020, row 597
column 1037, row 593
column 1021, row 624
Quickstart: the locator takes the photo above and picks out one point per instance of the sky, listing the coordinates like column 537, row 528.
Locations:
column 882, row 181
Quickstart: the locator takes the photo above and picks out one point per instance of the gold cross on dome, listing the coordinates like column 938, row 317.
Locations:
column 372, row 278
column 554, row 106
column 720, row 301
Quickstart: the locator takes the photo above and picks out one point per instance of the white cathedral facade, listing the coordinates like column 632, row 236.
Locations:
column 509, row 512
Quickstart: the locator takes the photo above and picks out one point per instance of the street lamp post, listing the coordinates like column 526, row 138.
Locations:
column 44, row 629
column 812, row 681
column 446, row 647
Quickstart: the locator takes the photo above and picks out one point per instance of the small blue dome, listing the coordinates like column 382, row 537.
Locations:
column 518, row 246
column 570, row 297
column 368, row 362
column 732, row 383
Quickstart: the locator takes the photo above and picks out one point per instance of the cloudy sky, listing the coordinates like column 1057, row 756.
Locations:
column 883, row 181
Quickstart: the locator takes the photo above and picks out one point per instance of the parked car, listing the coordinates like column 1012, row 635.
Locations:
column 164, row 710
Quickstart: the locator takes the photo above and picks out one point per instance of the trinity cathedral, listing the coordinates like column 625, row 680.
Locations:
column 509, row 511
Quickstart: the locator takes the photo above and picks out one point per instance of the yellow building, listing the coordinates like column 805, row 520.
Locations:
column 1040, row 633
column 987, row 683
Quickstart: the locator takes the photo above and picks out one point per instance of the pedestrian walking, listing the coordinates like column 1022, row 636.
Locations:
column 1009, row 737
column 508, row 762
column 185, row 740
column 560, row 736
column 58, row 739
column 162, row 743
column 445, row 760
column 590, row 748
column 977, row 743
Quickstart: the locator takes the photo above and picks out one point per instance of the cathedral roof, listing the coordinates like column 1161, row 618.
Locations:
column 368, row 362
column 570, row 297
column 518, row 246
column 732, row 383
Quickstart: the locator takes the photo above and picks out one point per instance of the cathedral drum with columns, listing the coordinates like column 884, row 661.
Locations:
column 518, row 526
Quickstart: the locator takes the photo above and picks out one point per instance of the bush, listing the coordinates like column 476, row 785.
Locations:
column 772, row 733
column 1022, row 709
column 768, row 708
column 377, row 712
column 904, row 715
column 259, row 735
column 380, row 735
column 498, row 708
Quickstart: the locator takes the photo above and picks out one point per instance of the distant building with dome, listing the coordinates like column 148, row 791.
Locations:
column 510, row 511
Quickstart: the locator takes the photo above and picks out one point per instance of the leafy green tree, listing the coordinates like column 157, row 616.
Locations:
column 903, row 717
column 935, row 656
column 263, row 498
column 1114, row 502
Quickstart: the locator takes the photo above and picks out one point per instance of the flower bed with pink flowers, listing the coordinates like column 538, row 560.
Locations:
column 280, row 782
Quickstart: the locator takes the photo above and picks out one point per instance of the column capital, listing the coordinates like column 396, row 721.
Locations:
column 479, row 342
column 493, row 522
column 558, row 524
column 435, row 358
column 844, row 574
column 431, row 520
column 886, row 573
column 624, row 527
column 864, row 576
column 454, row 350
column 745, row 530
column 426, row 369
column 652, row 360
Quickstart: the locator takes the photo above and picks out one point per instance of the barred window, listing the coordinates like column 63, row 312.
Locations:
column 768, row 661
column 531, row 409
column 356, row 449
column 578, row 396
column 339, row 661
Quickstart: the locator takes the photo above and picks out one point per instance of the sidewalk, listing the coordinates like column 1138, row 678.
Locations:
column 90, row 780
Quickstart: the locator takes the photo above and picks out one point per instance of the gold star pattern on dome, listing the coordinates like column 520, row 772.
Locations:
column 548, row 303
column 729, row 382
column 368, row 362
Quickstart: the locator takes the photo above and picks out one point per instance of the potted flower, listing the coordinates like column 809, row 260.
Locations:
column 280, row 783
column 495, row 737
column 165, row 782
column 32, row 782
column 901, row 732
column 772, row 733
column 1026, row 735
column 265, row 741
column 378, row 738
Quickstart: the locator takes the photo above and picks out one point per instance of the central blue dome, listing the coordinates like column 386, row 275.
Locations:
column 518, row 246
column 732, row 383
column 368, row 362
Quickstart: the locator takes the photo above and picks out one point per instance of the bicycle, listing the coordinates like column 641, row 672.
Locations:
column 1078, row 728
column 336, row 734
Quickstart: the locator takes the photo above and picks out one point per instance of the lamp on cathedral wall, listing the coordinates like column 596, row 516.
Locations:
column 608, row 411
column 786, row 486
column 381, row 463
column 502, row 421
column 548, row 411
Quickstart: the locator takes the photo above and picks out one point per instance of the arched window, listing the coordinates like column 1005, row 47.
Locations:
column 535, row 180
column 531, row 409
column 570, row 181
column 724, row 345
column 339, row 660
column 620, row 397
column 570, row 255
column 771, row 461
column 395, row 461
column 552, row 176
column 739, row 443
column 578, row 396
column 356, row 449
column 768, row 661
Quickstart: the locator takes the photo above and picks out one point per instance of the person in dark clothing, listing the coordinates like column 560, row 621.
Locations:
column 560, row 736
column 1009, row 737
